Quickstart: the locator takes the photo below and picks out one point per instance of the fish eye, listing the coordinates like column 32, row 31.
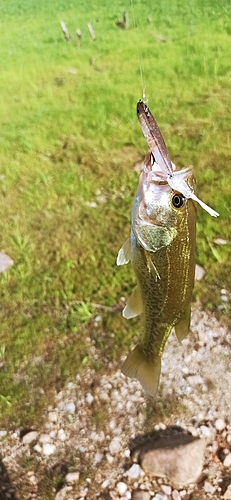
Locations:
column 178, row 200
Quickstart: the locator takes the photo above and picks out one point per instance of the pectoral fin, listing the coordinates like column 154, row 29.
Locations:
column 182, row 327
column 134, row 305
column 146, row 371
column 124, row 254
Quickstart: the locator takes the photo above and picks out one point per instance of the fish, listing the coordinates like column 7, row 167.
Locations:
column 161, row 249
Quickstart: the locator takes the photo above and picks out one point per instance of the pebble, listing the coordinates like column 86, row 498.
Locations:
column 61, row 495
column 134, row 472
column 4, row 433
column 72, row 477
column 48, row 449
column 205, row 431
column 115, row 446
column 208, row 487
column 29, row 437
column 176, row 495
column 140, row 495
column 70, row 407
column 199, row 272
column 38, row 448
column 98, row 458
column 103, row 396
column 166, row 489
column 220, row 424
column 44, row 438
column 89, row 398
column 62, row 435
column 105, row 484
column 53, row 416
column 121, row 488
column 109, row 458
column 160, row 496
column 127, row 453
column 227, row 460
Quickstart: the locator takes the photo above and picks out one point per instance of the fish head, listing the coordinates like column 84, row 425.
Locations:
column 160, row 212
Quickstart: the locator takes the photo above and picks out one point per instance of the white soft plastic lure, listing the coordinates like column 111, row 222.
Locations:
column 160, row 154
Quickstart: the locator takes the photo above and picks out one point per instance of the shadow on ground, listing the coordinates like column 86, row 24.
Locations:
column 7, row 489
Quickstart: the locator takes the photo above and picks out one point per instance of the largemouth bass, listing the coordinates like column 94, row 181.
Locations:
column 161, row 248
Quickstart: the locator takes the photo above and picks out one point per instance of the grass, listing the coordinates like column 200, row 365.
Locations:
column 68, row 144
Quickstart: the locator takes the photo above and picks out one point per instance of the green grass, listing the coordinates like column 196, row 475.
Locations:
column 70, row 139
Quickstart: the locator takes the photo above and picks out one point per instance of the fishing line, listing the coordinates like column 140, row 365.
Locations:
column 140, row 54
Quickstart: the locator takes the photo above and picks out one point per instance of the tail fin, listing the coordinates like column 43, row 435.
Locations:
column 146, row 371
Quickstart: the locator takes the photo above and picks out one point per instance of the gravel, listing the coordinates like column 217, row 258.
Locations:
column 72, row 455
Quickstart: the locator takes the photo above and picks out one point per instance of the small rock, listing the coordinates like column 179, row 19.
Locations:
column 44, row 438
column 205, row 431
column 115, row 446
column 227, row 495
column 176, row 495
column 71, row 386
column 61, row 493
column 62, row 435
column 98, row 458
column 220, row 241
column 127, row 453
column 208, row 487
column 5, row 262
column 29, row 437
column 48, row 449
column 220, row 424
column 160, row 496
column 105, row 484
column 166, row 489
column 103, row 396
column 33, row 479
column 227, row 460
column 199, row 273
column 109, row 458
column 121, row 488
column 140, row 495
column 179, row 458
column 72, row 477
column 4, row 433
column 70, row 407
column 89, row 398
column 38, row 448
column 134, row 472
column 53, row 416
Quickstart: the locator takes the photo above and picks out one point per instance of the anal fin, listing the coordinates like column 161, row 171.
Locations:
column 124, row 254
column 134, row 305
column 183, row 325
column 146, row 371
